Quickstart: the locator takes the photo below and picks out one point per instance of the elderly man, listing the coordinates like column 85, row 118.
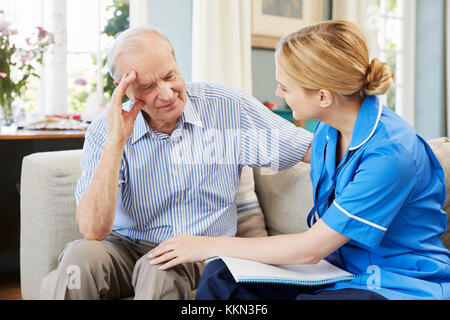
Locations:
column 166, row 163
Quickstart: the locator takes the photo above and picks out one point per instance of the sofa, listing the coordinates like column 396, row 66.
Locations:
column 269, row 204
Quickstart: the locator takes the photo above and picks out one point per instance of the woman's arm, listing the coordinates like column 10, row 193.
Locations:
column 304, row 248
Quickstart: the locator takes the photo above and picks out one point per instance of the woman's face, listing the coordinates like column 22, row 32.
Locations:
column 302, row 102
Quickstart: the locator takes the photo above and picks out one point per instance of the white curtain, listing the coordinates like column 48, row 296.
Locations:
column 138, row 13
column 55, row 75
column 364, row 14
column 221, row 42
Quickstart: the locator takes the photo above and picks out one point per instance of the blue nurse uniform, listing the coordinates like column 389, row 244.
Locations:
column 386, row 195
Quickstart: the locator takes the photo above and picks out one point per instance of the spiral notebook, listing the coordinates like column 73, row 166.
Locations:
column 303, row 275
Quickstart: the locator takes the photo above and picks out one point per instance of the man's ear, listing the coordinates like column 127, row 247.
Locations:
column 326, row 98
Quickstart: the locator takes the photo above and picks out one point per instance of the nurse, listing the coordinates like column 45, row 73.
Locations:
column 378, row 188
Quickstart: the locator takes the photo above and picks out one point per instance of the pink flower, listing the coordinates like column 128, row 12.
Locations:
column 80, row 81
column 4, row 27
column 42, row 32
column 24, row 58
column 3, row 75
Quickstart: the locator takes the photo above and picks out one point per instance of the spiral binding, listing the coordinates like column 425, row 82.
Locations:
column 310, row 283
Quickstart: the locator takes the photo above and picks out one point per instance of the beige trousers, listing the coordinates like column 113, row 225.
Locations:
column 118, row 267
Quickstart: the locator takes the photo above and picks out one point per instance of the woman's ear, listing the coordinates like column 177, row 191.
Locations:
column 325, row 98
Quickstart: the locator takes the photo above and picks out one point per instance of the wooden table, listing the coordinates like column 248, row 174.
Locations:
column 23, row 134
column 13, row 148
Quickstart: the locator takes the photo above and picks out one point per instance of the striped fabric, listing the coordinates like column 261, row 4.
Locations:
column 186, row 183
column 247, row 207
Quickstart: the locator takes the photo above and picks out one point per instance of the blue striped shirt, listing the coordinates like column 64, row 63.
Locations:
column 186, row 182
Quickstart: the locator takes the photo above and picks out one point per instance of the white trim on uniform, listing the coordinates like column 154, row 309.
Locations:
column 380, row 109
column 358, row 218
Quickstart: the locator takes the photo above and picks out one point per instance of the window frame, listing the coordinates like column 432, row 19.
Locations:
column 405, row 98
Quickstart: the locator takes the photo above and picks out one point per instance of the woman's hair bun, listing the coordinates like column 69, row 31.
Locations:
column 379, row 78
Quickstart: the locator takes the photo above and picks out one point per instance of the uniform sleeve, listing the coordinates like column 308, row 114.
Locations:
column 365, row 208
column 268, row 140
column 92, row 152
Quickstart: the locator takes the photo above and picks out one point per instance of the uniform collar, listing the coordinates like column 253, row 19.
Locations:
column 141, row 127
column 365, row 125
column 366, row 122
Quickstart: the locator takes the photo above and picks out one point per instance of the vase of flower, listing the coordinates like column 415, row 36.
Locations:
column 18, row 62
column 8, row 126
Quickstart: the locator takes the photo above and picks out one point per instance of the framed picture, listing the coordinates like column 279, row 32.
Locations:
column 272, row 19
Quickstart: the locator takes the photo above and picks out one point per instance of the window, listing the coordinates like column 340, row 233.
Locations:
column 83, row 30
column 86, row 43
column 25, row 21
column 396, row 40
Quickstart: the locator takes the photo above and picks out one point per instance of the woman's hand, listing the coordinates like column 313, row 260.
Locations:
column 121, row 122
column 180, row 249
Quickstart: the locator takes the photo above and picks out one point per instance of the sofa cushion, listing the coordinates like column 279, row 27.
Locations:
column 285, row 198
column 250, row 221
column 441, row 148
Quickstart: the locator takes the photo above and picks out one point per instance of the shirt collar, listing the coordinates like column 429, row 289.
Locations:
column 141, row 127
column 190, row 115
column 365, row 125
column 367, row 122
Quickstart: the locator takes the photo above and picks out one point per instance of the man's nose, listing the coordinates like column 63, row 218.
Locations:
column 165, row 91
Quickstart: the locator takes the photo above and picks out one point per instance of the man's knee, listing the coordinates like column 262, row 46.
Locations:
column 151, row 283
column 81, row 271
column 83, row 255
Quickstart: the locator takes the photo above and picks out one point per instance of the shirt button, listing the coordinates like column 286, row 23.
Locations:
column 178, row 229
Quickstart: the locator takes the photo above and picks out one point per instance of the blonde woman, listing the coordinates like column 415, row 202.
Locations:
column 378, row 187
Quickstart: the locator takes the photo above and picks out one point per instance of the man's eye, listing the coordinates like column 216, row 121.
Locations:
column 150, row 86
column 169, row 77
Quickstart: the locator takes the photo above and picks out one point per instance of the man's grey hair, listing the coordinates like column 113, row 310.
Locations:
column 130, row 40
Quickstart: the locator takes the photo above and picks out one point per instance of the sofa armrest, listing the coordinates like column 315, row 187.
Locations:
column 47, row 214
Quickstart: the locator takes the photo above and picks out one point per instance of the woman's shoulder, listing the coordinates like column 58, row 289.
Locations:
column 394, row 133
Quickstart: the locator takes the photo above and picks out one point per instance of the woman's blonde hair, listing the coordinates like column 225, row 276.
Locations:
column 333, row 55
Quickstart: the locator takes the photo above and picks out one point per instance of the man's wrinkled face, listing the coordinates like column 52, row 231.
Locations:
column 158, row 84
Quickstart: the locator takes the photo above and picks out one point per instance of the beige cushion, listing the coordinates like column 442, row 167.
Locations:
column 285, row 198
column 441, row 148
column 250, row 217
